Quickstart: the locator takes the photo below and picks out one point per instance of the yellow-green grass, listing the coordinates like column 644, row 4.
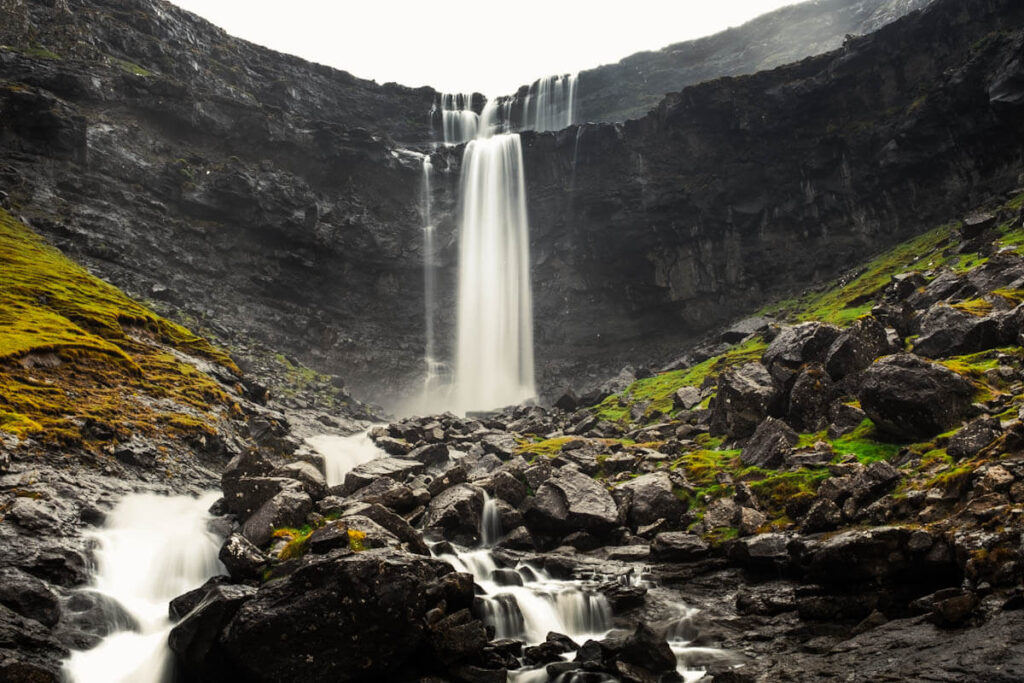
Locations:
column 79, row 358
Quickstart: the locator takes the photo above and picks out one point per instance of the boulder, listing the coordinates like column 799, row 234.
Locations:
column 824, row 515
column 651, row 497
column 195, row 639
column 394, row 468
column 856, row 348
column 796, row 345
column 974, row 437
column 744, row 397
column 844, row 419
column 287, row 509
column 911, row 398
column 28, row 596
column 508, row 488
column 685, row 398
column 769, row 445
column 241, row 558
column 312, row 479
column 244, row 495
column 349, row 617
column 389, row 493
column 676, row 546
column 570, row 501
column 393, row 523
column 456, row 637
column 948, row 331
column 809, row 398
column 28, row 652
column 456, row 511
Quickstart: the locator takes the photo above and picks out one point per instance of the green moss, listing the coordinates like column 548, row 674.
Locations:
column 701, row 466
column 866, row 444
column 75, row 350
column 720, row 535
column 297, row 541
column 40, row 52
column 357, row 540
column 978, row 307
column 547, row 447
column 776, row 489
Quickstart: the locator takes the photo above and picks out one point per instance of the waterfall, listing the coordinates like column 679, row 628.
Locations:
column 151, row 549
column 494, row 340
column 459, row 122
column 432, row 376
column 490, row 523
column 343, row 453
column 551, row 103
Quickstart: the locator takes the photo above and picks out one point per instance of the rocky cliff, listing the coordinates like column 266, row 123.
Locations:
column 633, row 86
column 268, row 202
column 650, row 232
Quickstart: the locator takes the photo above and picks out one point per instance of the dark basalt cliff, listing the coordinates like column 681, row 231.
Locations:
column 633, row 86
column 651, row 232
column 237, row 185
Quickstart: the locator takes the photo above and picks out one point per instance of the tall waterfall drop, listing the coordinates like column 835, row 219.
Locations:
column 551, row 103
column 494, row 340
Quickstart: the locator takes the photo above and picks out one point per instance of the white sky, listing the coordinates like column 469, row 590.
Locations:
column 485, row 46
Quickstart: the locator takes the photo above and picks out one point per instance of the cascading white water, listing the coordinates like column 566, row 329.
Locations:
column 551, row 103
column 342, row 453
column 432, row 376
column 151, row 549
column 459, row 122
column 525, row 602
column 494, row 341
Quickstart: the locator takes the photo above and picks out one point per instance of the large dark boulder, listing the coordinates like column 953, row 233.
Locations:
column 911, row 398
column 648, row 498
column 948, row 331
column 974, row 437
column 676, row 546
column 770, row 444
column 28, row 652
column 28, row 596
column 457, row 512
column 398, row 469
column 745, row 395
column 809, row 398
column 796, row 345
column 856, row 348
column 346, row 617
column 570, row 501
column 287, row 509
column 241, row 558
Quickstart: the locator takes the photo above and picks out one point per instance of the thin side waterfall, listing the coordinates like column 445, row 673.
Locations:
column 494, row 340
column 151, row 549
column 490, row 523
column 432, row 374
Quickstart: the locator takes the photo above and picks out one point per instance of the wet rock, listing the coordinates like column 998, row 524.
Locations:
column 686, row 398
column 195, row 640
column 794, row 347
column 508, row 488
column 393, row 468
column 456, row 637
column 856, row 348
column 242, row 559
column 912, row 398
column 845, row 418
column 824, row 515
column 677, row 546
column 772, row 441
column 809, row 398
column 456, row 512
column 28, row 596
column 749, row 521
column 570, row 501
column 244, row 495
column 948, row 331
column 27, row 650
column 433, row 454
column 621, row 596
column 973, row 438
column 286, row 509
column 312, row 479
column 390, row 494
column 360, row 616
column 394, row 524
column 742, row 402
column 648, row 498
column 89, row 616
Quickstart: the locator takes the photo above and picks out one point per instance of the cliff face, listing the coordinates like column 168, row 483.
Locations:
column 649, row 233
column 633, row 86
column 267, row 201
column 233, row 183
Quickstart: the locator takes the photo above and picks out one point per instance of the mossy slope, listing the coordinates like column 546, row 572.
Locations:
column 82, row 364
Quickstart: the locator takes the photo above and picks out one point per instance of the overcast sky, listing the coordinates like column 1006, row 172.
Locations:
column 485, row 46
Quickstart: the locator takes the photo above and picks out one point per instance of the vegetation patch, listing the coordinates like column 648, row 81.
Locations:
column 82, row 364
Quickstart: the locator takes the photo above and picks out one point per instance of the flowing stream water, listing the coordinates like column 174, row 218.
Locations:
column 150, row 550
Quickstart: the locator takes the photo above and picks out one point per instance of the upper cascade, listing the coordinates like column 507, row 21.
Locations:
column 549, row 104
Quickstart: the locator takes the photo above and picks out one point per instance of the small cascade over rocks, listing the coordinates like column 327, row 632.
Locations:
column 524, row 602
column 151, row 549
column 342, row 454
